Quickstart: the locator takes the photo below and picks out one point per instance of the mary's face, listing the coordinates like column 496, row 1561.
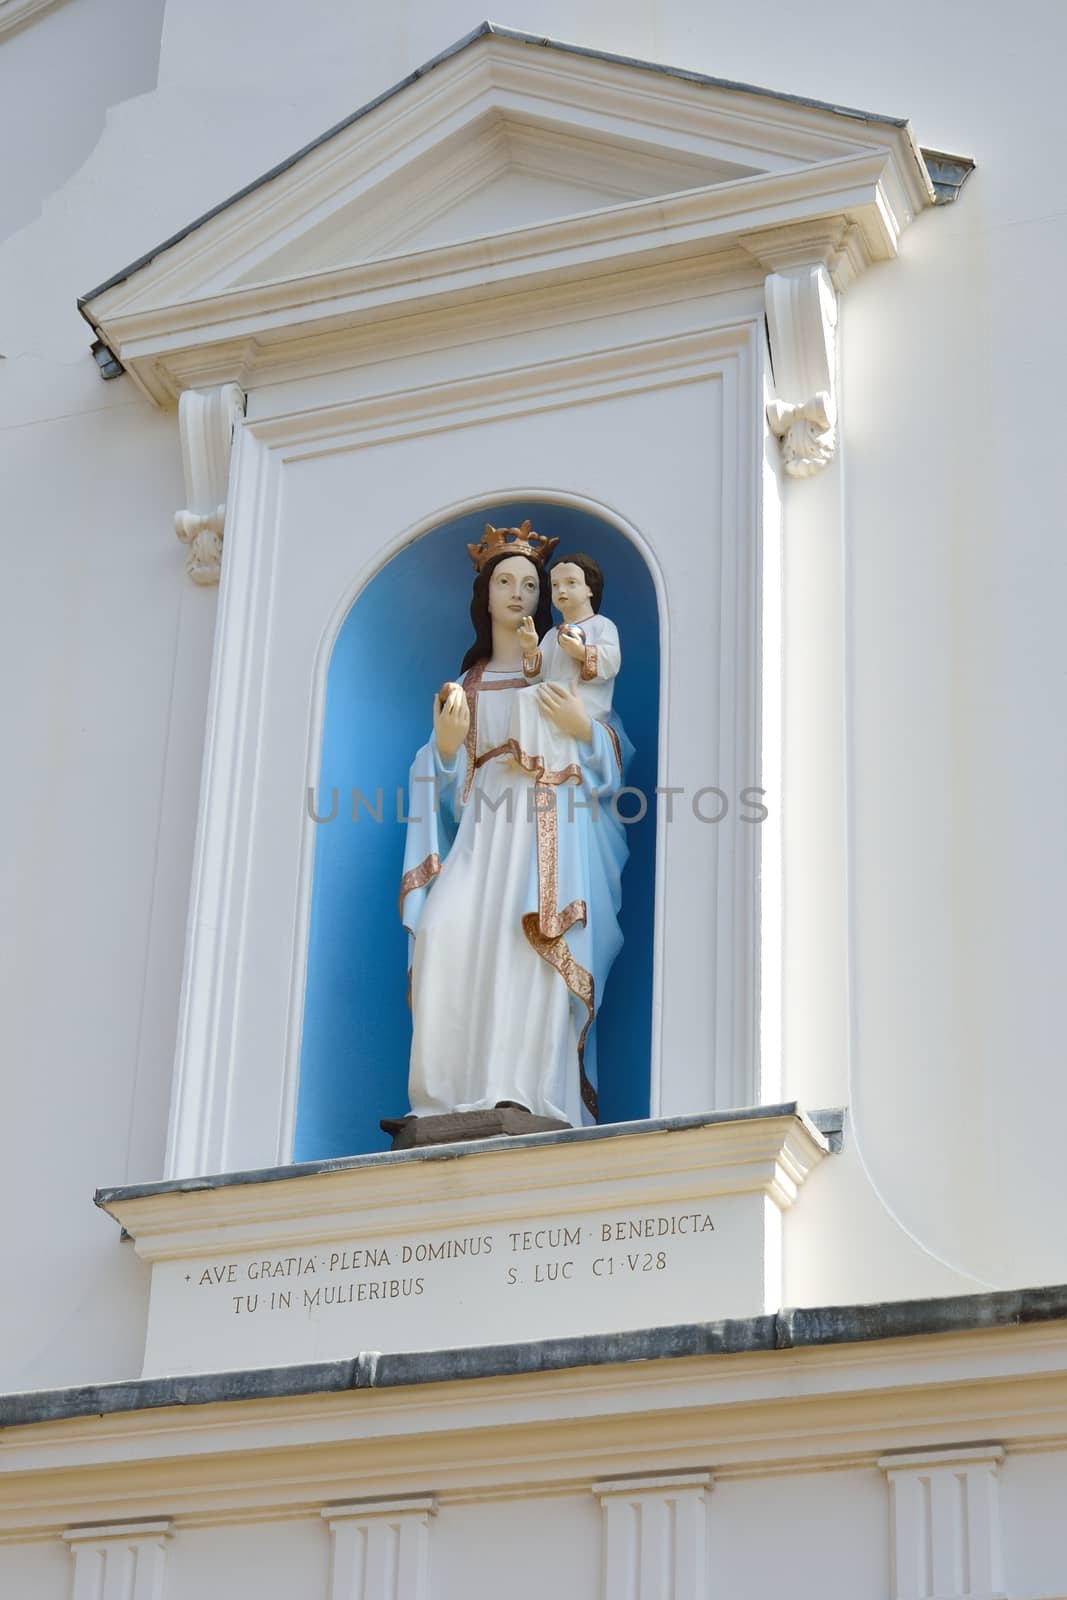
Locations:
column 514, row 589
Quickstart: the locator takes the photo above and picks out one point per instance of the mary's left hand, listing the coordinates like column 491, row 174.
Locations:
column 565, row 709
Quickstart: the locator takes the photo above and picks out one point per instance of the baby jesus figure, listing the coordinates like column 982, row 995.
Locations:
column 582, row 654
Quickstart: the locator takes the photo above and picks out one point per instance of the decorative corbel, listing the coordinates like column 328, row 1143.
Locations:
column 206, row 419
column 802, row 319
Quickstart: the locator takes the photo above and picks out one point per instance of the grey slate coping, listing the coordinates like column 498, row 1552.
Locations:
column 797, row 1329
column 484, row 29
column 828, row 1123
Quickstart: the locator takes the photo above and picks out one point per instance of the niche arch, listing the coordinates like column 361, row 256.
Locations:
column 402, row 632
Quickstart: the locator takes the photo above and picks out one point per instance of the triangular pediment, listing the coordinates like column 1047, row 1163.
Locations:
column 503, row 162
column 499, row 173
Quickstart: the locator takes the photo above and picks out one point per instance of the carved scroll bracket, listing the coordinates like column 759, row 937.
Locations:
column 207, row 419
column 802, row 321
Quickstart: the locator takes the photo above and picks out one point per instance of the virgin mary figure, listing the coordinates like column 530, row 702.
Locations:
column 511, row 885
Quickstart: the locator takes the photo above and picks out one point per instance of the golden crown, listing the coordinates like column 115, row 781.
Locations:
column 513, row 542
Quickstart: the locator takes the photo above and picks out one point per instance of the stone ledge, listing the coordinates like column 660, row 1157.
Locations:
column 828, row 1124
column 527, row 1237
column 792, row 1329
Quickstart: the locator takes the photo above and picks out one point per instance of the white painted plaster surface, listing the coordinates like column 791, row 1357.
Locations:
column 744, row 1559
column 1032, row 1489
column 924, row 575
column 269, row 1556
column 573, row 1549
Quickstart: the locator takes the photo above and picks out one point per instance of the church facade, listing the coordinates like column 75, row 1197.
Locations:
column 301, row 315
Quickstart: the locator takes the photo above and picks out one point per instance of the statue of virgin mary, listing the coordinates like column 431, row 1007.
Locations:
column 511, row 885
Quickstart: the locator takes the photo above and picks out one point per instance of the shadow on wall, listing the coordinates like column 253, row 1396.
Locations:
column 91, row 58
column 405, row 634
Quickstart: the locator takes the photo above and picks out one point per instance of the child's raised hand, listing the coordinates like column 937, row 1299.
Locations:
column 527, row 636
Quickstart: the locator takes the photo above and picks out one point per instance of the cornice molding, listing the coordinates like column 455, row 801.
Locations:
column 318, row 247
column 772, row 1155
column 13, row 13
column 540, row 1432
column 154, row 343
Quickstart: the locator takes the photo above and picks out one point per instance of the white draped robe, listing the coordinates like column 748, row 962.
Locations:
column 492, row 1021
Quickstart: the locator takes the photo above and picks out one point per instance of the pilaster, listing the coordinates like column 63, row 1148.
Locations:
column 655, row 1536
column 380, row 1549
column 945, row 1523
column 119, row 1561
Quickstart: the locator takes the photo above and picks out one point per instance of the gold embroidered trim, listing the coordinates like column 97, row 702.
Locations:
column 534, row 765
column 546, row 928
column 588, row 668
column 472, row 687
column 419, row 877
column 615, row 745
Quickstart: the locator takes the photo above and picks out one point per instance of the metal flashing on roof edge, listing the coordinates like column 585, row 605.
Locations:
column 108, row 362
column 948, row 174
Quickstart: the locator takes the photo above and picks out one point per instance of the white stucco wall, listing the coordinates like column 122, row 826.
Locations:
column 924, row 578
column 62, row 69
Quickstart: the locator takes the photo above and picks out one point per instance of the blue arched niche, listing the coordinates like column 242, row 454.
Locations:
column 407, row 632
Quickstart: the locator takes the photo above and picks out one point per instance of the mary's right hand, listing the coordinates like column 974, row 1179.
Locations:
column 451, row 720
